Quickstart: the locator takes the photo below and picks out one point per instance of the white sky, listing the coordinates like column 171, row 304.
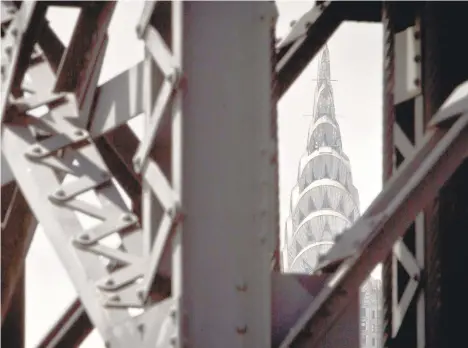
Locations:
column 356, row 62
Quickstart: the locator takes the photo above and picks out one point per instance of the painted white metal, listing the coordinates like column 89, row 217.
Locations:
column 221, row 281
column 178, row 136
column 39, row 169
column 117, row 101
column 227, row 177
column 407, row 70
column 12, row 46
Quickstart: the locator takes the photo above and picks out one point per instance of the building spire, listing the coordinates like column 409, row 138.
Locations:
column 325, row 201
column 324, row 66
column 324, row 130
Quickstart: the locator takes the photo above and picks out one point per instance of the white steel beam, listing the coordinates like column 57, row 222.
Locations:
column 227, row 176
column 17, row 45
column 117, row 101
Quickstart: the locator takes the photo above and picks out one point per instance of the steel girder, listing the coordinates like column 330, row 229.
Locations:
column 361, row 241
column 75, row 138
column 406, row 124
column 312, row 30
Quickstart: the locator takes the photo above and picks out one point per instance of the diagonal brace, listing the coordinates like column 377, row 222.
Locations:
column 394, row 210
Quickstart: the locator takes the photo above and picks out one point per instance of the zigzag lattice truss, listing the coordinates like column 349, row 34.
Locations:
column 60, row 143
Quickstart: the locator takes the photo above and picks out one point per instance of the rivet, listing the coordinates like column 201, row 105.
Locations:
column 141, row 327
column 241, row 330
column 241, row 287
column 80, row 133
column 139, row 31
column 141, row 294
column 115, row 298
column 128, row 218
column 37, row 150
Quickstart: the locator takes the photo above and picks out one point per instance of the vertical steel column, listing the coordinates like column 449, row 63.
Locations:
column 404, row 126
column 445, row 65
column 13, row 328
column 388, row 120
column 276, row 258
column 228, row 177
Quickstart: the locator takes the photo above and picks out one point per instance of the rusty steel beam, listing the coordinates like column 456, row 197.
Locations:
column 18, row 224
column 303, row 42
column 311, row 32
column 126, row 177
column 70, row 330
column 17, row 229
column 74, row 72
column 13, row 328
column 68, row 3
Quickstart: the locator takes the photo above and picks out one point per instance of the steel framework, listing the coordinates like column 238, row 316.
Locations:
column 193, row 261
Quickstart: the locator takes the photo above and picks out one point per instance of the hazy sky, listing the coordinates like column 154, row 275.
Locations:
column 356, row 64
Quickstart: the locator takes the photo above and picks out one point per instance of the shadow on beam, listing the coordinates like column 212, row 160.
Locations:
column 13, row 323
column 292, row 294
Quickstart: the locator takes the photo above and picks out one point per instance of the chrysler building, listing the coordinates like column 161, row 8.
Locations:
column 324, row 202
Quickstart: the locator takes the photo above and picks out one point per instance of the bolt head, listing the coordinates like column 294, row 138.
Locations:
column 60, row 193
column 37, row 150
column 141, row 327
column 84, row 237
column 80, row 133
column 128, row 218
column 115, row 298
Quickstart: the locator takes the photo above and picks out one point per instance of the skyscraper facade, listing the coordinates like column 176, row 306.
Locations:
column 371, row 313
column 324, row 201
